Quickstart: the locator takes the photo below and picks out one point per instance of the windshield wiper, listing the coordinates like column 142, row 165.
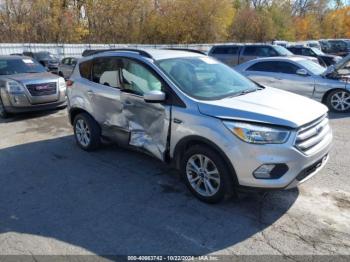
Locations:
column 241, row 93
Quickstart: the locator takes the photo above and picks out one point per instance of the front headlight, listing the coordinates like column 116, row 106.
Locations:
column 62, row 84
column 14, row 87
column 258, row 134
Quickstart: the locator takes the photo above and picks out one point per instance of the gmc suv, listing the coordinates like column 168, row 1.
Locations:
column 26, row 86
column 217, row 127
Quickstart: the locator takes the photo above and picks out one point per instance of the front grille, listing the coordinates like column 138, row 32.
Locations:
column 313, row 136
column 42, row 89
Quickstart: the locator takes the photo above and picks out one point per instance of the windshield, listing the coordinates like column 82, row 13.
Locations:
column 317, row 51
column 283, row 51
column 45, row 56
column 19, row 66
column 205, row 78
column 311, row 66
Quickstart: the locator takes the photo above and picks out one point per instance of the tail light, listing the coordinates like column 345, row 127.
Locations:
column 69, row 83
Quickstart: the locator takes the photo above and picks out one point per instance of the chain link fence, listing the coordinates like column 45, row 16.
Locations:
column 75, row 50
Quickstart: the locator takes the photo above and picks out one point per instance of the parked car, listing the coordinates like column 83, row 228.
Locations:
column 339, row 47
column 217, row 127
column 66, row 66
column 280, row 42
column 233, row 55
column 302, row 76
column 323, row 59
column 25, row 86
column 313, row 44
column 325, row 46
column 47, row 59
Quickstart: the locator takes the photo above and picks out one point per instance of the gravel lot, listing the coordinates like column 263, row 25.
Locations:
column 57, row 199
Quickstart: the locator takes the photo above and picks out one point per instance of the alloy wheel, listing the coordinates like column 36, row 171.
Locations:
column 340, row 101
column 203, row 175
column 82, row 133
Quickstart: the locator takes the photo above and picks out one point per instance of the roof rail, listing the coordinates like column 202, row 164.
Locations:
column 185, row 49
column 90, row 52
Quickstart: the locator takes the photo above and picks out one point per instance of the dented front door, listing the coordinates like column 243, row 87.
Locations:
column 147, row 123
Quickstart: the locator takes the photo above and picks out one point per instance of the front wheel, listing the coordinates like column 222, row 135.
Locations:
column 338, row 101
column 206, row 174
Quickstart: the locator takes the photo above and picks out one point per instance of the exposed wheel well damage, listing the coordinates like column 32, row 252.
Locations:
column 191, row 141
column 74, row 112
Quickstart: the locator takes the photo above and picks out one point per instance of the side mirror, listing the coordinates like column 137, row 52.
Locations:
column 154, row 96
column 302, row 72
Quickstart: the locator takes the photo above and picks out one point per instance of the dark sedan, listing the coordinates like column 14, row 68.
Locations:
column 323, row 59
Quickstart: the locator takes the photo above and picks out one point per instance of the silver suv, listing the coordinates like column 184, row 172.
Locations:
column 217, row 127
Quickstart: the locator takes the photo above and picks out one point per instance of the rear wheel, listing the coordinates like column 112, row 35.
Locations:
column 338, row 101
column 206, row 174
column 87, row 132
column 3, row 113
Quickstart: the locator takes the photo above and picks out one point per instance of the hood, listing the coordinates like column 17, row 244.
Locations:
column 313, row 59
column 33, row 77
column 331, row 56
column 269, row 106
column 338, row 66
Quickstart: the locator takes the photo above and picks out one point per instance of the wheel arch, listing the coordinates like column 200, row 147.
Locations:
column 73, row 112
column 325, row 96
column 193, row 140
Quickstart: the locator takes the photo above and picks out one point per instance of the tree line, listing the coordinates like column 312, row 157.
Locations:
column 171, row 21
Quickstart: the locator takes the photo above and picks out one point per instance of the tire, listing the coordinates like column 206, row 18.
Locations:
column 87, row 132
column 3, row 113
column 60, row 74
column 338, row 101
column 221, row 181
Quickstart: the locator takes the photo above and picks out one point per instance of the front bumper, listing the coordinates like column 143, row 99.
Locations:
column 35, row 108
column 246, row 158
column 19, row 103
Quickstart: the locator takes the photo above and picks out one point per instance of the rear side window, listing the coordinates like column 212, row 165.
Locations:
column 274, row 67
column 287, row 68
column 105, row 71
column 263, row 51
column 85, row 69
column 250, row 50
column 307, row 52
column 225, row 50
column 65, row 61
column 296, row 51
column 264, row 67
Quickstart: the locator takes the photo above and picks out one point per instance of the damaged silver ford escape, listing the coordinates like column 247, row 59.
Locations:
column 217, row 127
